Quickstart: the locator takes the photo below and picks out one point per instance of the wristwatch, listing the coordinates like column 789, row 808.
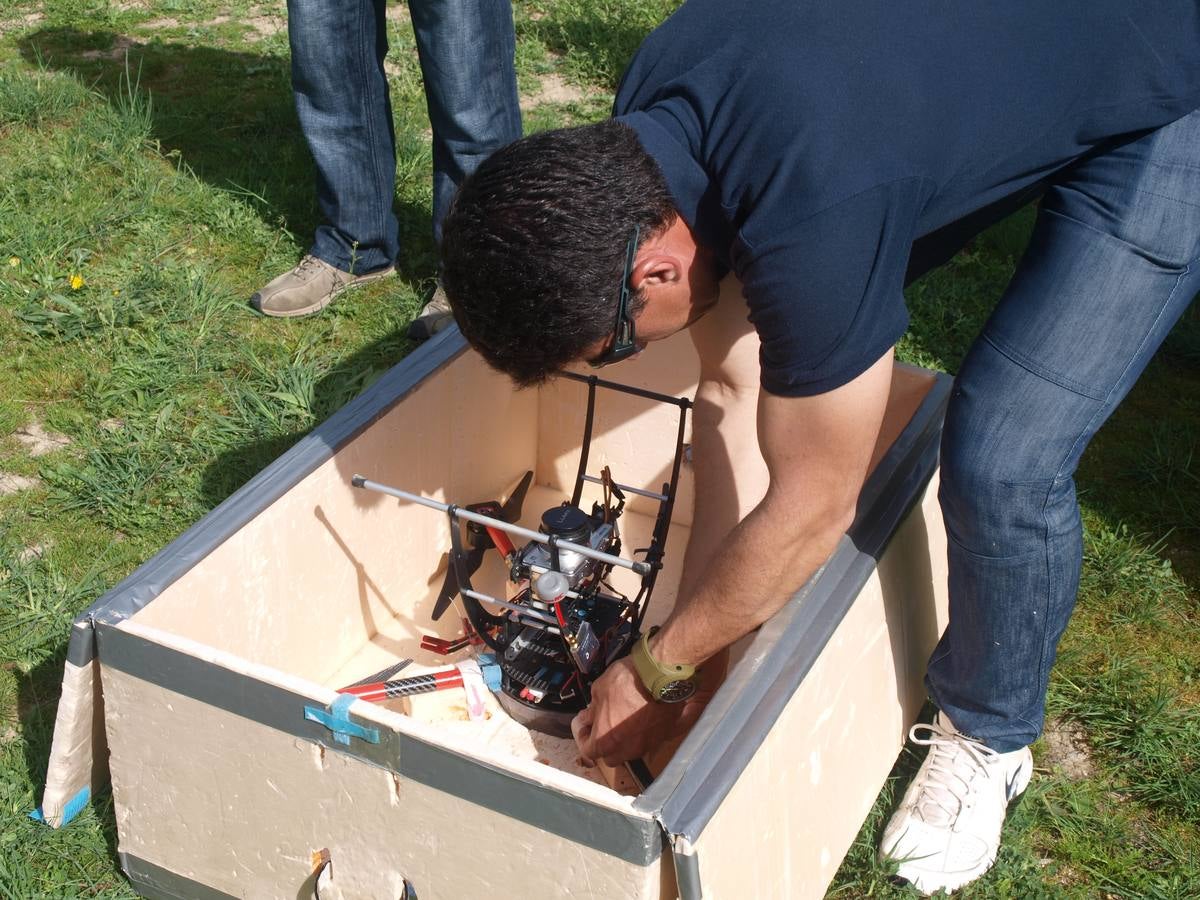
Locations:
column 666, row 683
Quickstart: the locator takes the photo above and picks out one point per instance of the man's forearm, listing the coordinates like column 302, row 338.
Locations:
column 728, row 471
column 817, row 452
column 769, row 556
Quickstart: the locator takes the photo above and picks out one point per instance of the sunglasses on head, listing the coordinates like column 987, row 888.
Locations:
column 624, row 343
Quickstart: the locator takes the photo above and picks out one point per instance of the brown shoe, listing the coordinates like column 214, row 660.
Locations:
column 309, row 287
column 434, row 316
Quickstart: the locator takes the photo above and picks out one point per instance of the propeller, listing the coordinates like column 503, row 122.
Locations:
column 474, row 559
column 511, row 510
column 479, row 541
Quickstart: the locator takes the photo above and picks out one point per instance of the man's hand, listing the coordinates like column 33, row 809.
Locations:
column 623, row 723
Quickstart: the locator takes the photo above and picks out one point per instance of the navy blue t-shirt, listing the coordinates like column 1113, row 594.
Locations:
column 811, row 143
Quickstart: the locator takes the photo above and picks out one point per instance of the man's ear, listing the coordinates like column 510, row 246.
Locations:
column 655, row 267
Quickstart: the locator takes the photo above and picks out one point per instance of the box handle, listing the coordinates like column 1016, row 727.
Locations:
column 323, row 888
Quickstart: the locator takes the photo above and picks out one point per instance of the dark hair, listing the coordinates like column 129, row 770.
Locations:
column 534, row 245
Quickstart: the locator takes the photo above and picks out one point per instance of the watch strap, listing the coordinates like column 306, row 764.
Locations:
column 657, row 675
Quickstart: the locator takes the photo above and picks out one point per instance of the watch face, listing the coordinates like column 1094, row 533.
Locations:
column 676, row 691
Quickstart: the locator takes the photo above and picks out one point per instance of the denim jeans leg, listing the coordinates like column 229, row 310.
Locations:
column 341, row 93
column 1113, row 262
column 466, row 49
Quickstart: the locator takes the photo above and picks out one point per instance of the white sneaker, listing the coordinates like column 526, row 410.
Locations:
column 946, row 831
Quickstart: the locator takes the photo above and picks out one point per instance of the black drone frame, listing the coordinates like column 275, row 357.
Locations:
column 648, row 568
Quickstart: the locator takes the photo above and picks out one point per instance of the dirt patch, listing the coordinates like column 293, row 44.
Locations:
column 122, row 43
column 39, row 441
column 112, row 424
column 398, row 12
column 264, row 26
column 159, row 24
column 11, row 484
column 21, row 22
column 1067, row 751
column 32, row 552
column 554, row 89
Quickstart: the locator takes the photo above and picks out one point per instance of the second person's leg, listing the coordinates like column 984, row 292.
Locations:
column 466, row 49
column 341, row 91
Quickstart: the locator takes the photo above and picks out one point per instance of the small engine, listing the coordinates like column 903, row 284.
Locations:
column 569, row 523
column 548, row 667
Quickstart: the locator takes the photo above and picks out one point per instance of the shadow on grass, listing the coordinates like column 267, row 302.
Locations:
column 228, row 116
column 37, row 704
column 1143, row 469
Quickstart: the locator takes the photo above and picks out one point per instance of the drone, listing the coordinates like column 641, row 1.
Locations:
column 564, row 624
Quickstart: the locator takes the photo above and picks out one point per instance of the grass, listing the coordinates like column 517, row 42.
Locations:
column 152, row 175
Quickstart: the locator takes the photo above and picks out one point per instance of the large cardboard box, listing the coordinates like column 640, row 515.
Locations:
column 205, row 684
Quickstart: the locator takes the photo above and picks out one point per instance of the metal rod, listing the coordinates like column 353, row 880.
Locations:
column 515, row 607
column 682, row 402
column 625, row 487
column 640, row 568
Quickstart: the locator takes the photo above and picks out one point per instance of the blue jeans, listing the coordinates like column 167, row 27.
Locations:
column 1113, row 263
column 338, row 46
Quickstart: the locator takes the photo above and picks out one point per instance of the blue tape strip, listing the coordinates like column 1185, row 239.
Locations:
column 73, row 808
column 492, row 676
column 337, row 720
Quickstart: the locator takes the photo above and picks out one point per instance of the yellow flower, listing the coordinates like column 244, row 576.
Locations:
column 14, row 261
column 76, row 282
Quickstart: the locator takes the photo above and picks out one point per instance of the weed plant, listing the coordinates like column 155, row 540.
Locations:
column 152, row 175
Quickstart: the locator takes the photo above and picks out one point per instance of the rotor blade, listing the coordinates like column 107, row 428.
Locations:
column 511, row 510
column 446, row 594
column 450, row 585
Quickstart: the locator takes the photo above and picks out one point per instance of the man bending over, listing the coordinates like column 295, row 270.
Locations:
column 826, row 154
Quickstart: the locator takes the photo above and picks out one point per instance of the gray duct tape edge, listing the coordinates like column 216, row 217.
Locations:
column 158, row 883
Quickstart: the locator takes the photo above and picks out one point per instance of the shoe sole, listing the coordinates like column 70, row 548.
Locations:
column 1020, row 780
column 324, row 301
